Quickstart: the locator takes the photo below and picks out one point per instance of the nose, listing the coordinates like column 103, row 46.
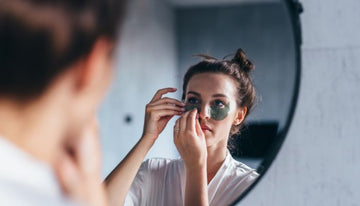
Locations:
column 204, row 112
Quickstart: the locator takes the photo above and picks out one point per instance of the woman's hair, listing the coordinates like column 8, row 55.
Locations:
column 239, row 69
column 39, row 39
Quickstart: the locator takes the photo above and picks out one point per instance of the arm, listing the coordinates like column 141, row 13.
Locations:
column 158, row 113
column 190, row 142
column 196, row 192
column 120, row 179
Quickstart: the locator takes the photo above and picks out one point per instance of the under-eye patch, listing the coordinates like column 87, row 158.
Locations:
column 190, row 107
column 216, row 113
column 219, row 113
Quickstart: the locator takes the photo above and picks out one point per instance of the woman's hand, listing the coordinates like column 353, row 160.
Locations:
column 190, row 140
column 159, row 111
column 78, row 168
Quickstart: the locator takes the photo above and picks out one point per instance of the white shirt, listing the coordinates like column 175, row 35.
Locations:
column 25, row 180
column 162, row 182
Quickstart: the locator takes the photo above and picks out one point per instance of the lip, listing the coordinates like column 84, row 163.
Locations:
column 204, row 127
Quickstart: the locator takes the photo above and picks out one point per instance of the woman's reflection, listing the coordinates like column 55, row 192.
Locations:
column 218, row 96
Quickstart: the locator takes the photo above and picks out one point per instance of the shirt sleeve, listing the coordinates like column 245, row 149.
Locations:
column 137, row 192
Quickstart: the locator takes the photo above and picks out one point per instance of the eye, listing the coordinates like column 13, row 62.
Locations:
column 193, row 100
column 219, row 103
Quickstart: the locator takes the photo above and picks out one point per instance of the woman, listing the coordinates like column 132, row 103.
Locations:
column 218, row 95
column 55, row 67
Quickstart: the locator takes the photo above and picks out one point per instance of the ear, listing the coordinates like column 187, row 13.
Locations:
column 91, row 69
column 241, row 113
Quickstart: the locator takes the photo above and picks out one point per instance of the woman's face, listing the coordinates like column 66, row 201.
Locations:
column 214, row 95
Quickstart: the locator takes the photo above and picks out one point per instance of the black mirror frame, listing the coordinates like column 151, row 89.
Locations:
column 294, row 9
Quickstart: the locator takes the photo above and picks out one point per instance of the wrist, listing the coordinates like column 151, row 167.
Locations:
column 148, row 138
column 196, row 168
column 197, row 163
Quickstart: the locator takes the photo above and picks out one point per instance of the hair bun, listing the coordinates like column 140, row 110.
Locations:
column 240, row 59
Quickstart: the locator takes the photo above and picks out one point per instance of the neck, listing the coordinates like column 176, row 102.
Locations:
column 33, row 127
column 216, row 156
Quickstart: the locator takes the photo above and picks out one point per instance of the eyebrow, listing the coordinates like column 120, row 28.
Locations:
column 220, row 95
column 194, row 93
column 215, row 95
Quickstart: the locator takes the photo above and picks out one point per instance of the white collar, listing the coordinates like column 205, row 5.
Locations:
column 21, row 168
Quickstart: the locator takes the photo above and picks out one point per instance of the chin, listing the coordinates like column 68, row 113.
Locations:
column 209, row 141
column 213, row 141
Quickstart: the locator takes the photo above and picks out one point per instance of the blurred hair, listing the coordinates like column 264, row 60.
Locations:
column 39, row 39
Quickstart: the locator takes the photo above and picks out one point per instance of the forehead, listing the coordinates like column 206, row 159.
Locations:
column 212, row 83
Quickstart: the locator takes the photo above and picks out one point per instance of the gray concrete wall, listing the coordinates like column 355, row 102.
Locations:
column 144, row 63
column 319, row 163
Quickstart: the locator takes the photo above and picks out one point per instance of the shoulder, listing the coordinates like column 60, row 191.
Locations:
column 232, row 180
column 153, row 171
column 240, row 170
column 159, row 163
column 15, row 193
column 155, row 176
column 161, row 166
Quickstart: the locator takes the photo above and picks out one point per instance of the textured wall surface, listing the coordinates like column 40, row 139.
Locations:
column 319, row 163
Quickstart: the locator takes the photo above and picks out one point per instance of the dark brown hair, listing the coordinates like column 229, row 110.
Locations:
column 39, row 39
column 238, row 68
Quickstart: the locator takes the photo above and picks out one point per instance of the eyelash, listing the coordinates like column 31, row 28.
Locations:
column 217, row 103
column 191, row 99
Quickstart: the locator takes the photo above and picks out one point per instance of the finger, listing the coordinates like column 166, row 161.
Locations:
column 183, row 121
column 166, row 107
column 94, row 126
column 87, row 150
column 176, row 129
column 199, row 131
column 167, row 100
column 68, row 176
column 190, row 122
column 164, row 113
column 89, row 153
column 161, row 92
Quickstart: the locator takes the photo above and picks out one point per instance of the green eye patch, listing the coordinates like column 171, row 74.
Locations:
column 219, row 113
column 216, row 113
column 190, row 107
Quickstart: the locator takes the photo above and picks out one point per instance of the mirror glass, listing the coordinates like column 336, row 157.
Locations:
column 158, row 41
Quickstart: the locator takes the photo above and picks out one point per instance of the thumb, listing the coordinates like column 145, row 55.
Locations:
column 89, row 154
column 199, row 132
column 68, row 177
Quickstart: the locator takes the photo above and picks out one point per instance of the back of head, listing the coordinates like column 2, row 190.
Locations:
column 39, row 39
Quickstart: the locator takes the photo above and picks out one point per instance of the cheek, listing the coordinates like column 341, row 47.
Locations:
column 223, row 127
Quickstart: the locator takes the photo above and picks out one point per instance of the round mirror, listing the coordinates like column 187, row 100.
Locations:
column 158, row 42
